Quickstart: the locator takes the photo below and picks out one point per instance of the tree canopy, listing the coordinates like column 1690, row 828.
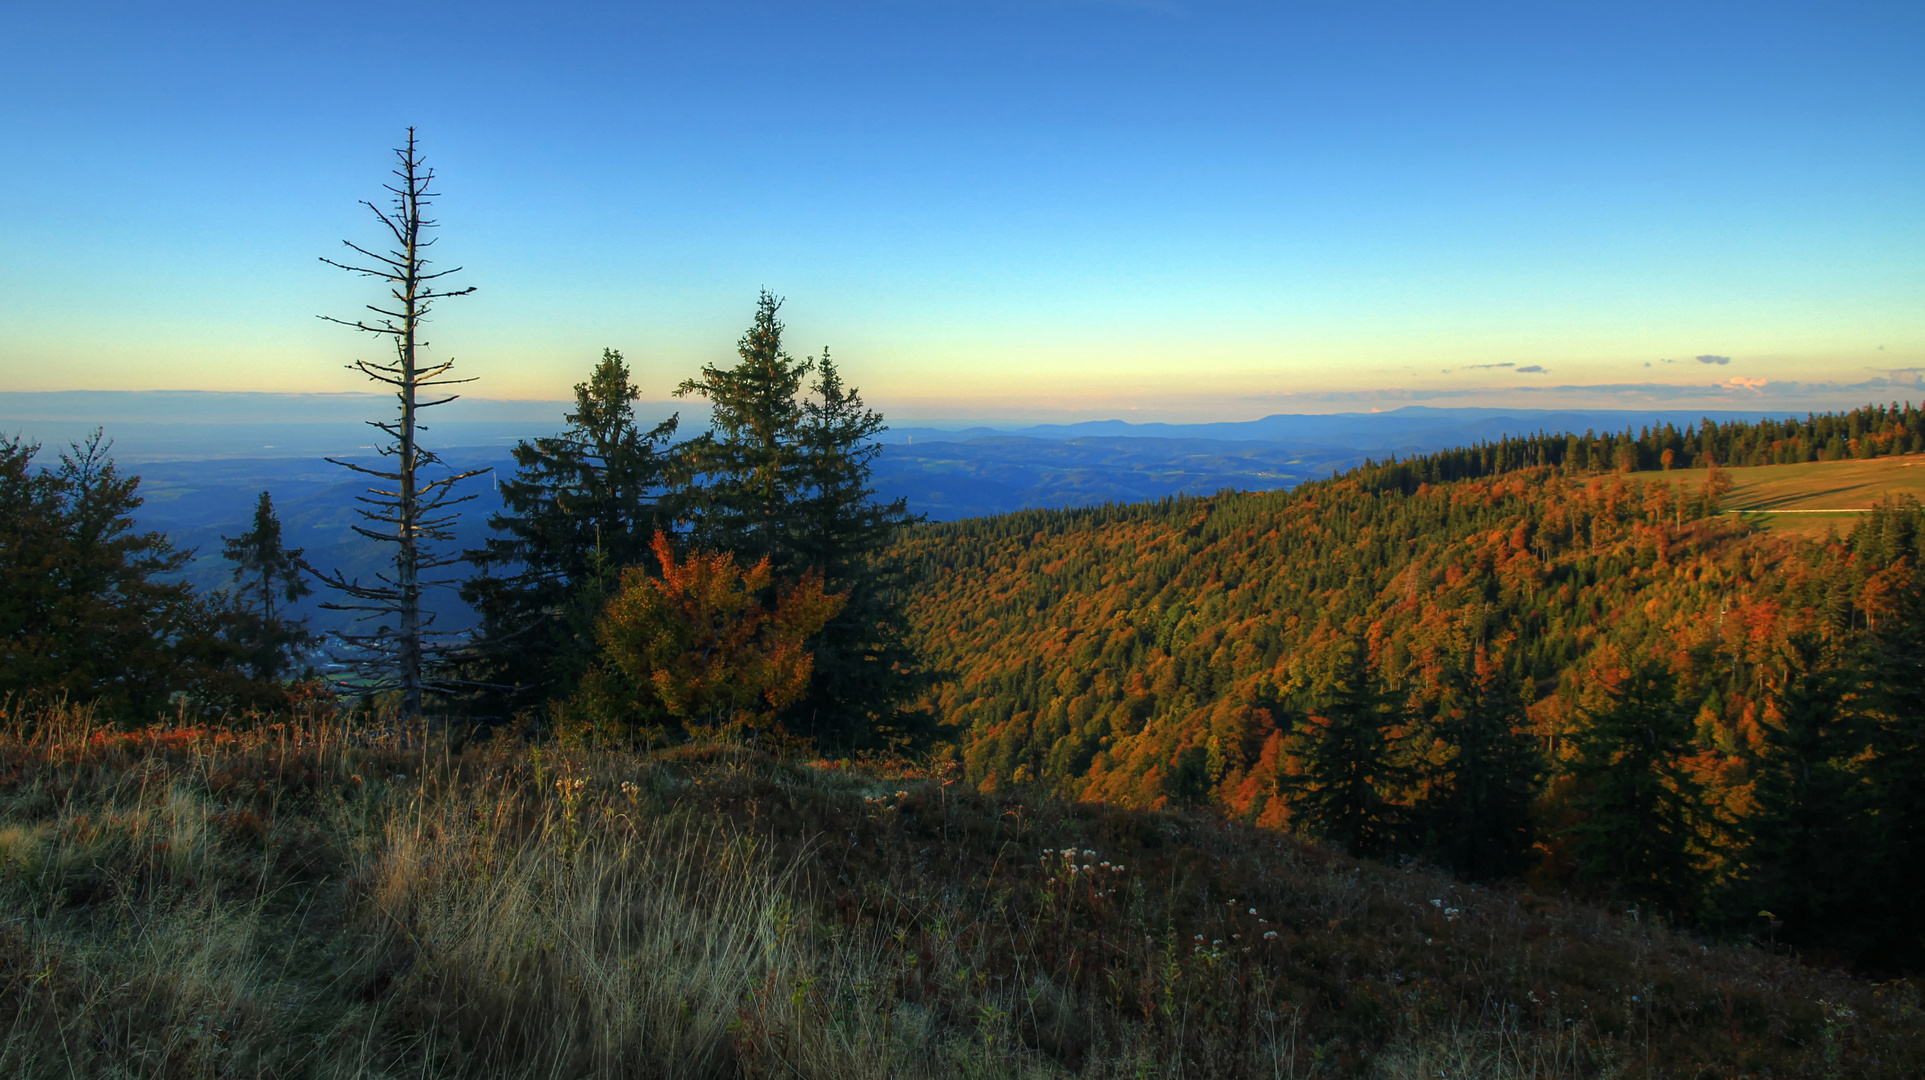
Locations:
column 582, row 505
column 91, row 608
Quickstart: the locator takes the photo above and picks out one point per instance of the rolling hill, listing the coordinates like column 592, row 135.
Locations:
column 1161, row 655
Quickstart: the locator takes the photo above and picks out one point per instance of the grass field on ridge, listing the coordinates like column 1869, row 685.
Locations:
column 1763, row 494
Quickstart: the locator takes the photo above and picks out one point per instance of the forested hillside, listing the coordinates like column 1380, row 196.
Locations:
column 1873, row 431
column 1088, row 646
column 1211, row 652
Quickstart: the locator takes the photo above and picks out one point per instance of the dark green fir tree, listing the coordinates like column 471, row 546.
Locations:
column 1349, row 787
column 269, row 577
column 1479, row 807
column 865, row 667
column 1804, row 863
column 1639, row 808
column 92, row 609
column 582, row 505
column 785, row 475
column 1893, row 701
column 748, row 474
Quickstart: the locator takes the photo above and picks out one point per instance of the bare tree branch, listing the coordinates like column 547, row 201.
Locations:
column 396, row 653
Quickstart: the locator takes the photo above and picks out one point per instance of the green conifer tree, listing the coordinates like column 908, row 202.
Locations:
column 746, row 475
column 1640, row 809
column 1479, row 809
column 582, row 505
column 865, row 667
column 1894, row 703
column 268, row 574
column 1349, row 787
column 785, row 476
column 91, row 609
column 1805, row 844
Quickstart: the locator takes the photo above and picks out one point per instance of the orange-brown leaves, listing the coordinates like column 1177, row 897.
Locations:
column 696, row 643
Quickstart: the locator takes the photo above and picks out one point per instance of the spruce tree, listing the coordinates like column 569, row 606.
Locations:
column 1349, row 785
column 1640, row 808
column 582, row 505
column 268, row 572
column 1807, row 841
column 786, row 477
column 1894, row 704
column 748, row 473
column 93, row 610
column 1479, row 810
column 865, row 667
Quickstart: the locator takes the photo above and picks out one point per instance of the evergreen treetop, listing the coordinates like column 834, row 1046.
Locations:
column 267, row 572
column 582, row 505
column 745, row 477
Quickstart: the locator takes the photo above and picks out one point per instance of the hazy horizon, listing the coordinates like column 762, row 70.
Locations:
column 229, row 406
column 185, row 425
column 355, row 406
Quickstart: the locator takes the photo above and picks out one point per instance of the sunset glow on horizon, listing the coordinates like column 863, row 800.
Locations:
column 1076, row 209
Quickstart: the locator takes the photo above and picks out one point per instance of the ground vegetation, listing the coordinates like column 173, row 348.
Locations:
column 314, row 898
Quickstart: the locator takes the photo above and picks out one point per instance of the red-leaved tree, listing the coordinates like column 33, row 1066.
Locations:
column 695, row 648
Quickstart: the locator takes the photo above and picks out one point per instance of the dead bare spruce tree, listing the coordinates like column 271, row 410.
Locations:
column 416, row 510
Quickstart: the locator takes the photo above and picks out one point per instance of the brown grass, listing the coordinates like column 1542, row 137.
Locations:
column 305, row 899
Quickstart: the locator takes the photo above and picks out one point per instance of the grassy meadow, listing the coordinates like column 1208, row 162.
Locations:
column 312, row 898
column 1822, row 495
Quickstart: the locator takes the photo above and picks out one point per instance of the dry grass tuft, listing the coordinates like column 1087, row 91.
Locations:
column 307, row 899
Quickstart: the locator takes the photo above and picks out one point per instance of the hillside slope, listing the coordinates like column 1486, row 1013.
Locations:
column 1136, row 655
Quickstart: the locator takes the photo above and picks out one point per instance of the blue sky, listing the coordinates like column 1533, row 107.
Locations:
column 1183, row 210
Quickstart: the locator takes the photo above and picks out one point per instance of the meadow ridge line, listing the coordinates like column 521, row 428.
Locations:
column 1841, row 510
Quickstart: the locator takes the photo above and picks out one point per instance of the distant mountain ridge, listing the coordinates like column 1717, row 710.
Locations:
column 1415, row 426
column 204, row 456
column 144, row 413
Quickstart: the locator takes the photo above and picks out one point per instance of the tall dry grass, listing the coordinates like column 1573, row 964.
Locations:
column 305, row 899
column 318, row 898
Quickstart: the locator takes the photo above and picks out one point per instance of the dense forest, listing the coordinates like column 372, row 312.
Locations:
column 1593, row 677
column 1872, row 431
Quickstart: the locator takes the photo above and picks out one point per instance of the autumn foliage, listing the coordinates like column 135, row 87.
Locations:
column 695, row 647
column 1390, row 669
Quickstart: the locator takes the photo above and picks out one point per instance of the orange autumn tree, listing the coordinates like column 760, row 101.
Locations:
column 694, row 648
